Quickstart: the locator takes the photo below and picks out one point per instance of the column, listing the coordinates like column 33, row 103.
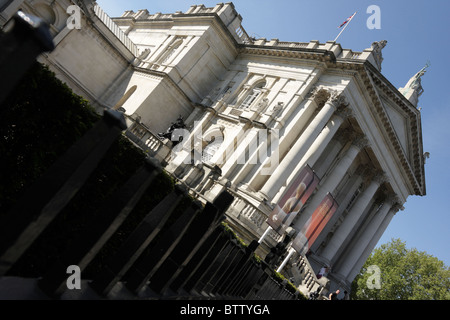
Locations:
column 343, row 199
column 301, row 146
column 331, row 181
column 352, row 218
column 319, row 145
column 324, row 138
column 252, row 173
column 380, row 227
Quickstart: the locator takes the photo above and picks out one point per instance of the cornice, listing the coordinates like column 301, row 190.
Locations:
column 285, row 52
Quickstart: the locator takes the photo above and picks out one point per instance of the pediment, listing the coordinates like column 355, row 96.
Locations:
column 400, row 123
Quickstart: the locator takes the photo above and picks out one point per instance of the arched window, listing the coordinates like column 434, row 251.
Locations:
column 213, row 139
column 210, row 150
column 45, row 12
column 254, row 94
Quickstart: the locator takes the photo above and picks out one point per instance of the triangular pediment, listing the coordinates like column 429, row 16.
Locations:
column 400, row 124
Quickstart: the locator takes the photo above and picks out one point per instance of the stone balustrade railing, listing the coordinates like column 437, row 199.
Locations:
column 149, row 142
column 243, row 36
column 251, row 215
column 293, row 44
column 114, row 28
column 308, row 281
column 336, row 48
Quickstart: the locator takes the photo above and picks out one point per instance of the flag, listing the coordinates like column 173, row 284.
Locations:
column 346, row 21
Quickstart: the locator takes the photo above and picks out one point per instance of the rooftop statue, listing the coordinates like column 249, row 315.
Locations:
column 413, row 89
column 377, row 47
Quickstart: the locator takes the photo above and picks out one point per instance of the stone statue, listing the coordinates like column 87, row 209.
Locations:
column 376, row 49
column 413, row 89
column 144, row 54
column 179, row 124
column 415, row 82
column 277, row 108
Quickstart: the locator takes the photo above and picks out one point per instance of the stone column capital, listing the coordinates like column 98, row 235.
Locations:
column 394, row 202
column 380, row 177
column 361, row 142
column 344, row 112
column 397, row 206
column 336, row 98
column 317, row 94
column 311, row 95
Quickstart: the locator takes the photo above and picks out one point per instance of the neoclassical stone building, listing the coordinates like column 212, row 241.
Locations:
column 255, row 113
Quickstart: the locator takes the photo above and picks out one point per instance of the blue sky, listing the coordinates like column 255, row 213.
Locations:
column 417, row 31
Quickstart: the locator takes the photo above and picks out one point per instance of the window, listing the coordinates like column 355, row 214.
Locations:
column 210, row 150
column 170, row 51
column 252, row 96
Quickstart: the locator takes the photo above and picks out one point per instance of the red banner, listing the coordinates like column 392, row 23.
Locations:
column 293, row 200
column 315, row 224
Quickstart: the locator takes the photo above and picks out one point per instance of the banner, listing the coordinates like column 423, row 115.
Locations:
column 315, row 224
column 293, row 200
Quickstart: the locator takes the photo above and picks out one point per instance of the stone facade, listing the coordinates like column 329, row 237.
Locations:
column 256, row 112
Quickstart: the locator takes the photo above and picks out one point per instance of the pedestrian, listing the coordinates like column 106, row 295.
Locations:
column 322, row 272
column 346, row 296
column 333, row 295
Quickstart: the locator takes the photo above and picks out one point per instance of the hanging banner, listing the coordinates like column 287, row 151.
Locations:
column 315, row 224
column 293, row 200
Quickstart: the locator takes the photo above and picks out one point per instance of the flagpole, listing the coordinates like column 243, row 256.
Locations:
column 345, row 26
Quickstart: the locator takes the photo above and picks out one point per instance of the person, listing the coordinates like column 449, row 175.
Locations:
column 322, row 272
column 346, row 296
column 333, row 295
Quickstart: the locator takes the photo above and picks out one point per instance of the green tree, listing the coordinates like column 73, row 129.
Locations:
column 405, row 274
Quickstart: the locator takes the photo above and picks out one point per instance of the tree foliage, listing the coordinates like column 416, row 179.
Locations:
column 406, row 274
column 39, row 120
